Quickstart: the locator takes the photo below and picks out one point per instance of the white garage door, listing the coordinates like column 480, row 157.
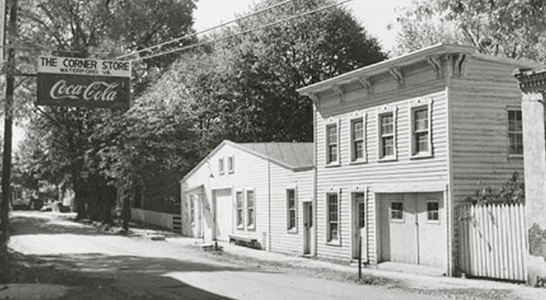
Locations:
column 223, row 213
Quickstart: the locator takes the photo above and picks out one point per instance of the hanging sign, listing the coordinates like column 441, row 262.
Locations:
column 83, row 82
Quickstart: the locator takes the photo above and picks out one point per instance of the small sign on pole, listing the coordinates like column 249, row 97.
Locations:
column 83, row 82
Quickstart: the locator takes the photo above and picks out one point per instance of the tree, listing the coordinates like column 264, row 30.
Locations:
column 246, row 91
column 514, row 29
column 97, row 28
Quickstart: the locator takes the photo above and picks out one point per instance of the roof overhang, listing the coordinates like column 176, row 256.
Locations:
column 392, row 66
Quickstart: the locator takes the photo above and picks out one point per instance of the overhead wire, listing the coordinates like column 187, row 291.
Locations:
column 239, row 33
column 205, row 30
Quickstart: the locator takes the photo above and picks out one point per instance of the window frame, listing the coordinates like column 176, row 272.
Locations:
column 385, row 110
column 510, row 132
column 231, row 164
column 191, row 208
column 289, row 209
column 329, row 124
column 352, row 141
column 241, row 210
column 329, row 239
column 249, row 226
column 437, row 211
column 391, row 219
column 415, row 106
column 221, row 166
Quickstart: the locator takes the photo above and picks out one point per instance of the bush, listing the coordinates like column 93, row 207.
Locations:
column 512, row 192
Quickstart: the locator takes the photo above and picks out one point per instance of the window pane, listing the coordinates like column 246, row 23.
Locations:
column 239, row 199
column 397, row 211
column 421, row 119
column 421, row 142
column 388, row 146
column 358, row 129
column 332, row 149
column 432, row 211
column 358, row 148
column 333, row 217
column 332, row 134
column 250, row 207
column 359, row 199
column 515, row 134
column 387, row 124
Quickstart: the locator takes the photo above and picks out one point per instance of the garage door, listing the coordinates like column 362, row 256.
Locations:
column 413, row 229
column 223, row 214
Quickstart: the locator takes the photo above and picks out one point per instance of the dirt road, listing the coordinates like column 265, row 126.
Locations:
column 138, row 268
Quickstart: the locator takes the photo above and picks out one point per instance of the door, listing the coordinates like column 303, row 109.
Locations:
column 413, row 229
column 307, row 227
column 398, row 228
column 431, row 230
column 360, row 245
column 223, row 215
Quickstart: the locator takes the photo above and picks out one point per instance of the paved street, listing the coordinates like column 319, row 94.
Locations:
column 143, row 269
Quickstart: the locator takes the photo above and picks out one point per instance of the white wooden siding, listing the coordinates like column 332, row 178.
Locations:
column 281, row 180
column 402, row 171
column 479, row 102
column 250, row 173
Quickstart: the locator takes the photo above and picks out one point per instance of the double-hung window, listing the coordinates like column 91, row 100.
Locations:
column 357, row 140
column 251, row 210
column 332, row 144
column 515, row 132
column 387, row 142
column 230, row 164
column 221, row 166
column 333, row 217
column 291, row 209
column 420, row 128
column 240, row 209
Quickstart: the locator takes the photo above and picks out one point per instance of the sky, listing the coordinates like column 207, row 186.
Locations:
column 377, row 16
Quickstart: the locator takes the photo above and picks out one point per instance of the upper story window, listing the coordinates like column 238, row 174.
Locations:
column 250, row 210
column 240, row 209
column 357, row 140
column 230, row 164
column 387, row 143
column 420, row 128
column 515, row 132
column 332, row 144
column 291, row 209
column 221, row 166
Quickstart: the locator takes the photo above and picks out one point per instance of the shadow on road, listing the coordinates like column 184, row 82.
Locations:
column 41, row 224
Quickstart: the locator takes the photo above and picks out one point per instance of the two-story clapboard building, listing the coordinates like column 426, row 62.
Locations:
column 399, row 144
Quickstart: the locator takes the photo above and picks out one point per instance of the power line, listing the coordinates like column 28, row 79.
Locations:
column 205, row 30
column 240, row 33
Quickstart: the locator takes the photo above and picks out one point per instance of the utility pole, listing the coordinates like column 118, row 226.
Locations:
column 8, row 130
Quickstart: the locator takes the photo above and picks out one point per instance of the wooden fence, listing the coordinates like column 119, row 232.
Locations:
column 492, row 241
column 164, row 220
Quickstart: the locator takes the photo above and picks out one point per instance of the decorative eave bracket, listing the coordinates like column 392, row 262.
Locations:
column 436, row 64
column 531, row 82
column 366, row 83
column 314, row 97
column 398, row 75
column 459, row 65
column 339, row 92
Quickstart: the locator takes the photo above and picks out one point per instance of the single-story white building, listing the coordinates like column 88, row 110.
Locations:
column 255, row 192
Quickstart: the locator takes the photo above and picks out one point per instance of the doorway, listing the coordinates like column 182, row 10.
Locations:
column 307, row 227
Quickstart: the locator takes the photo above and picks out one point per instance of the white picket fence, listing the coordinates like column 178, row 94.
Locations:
column 492, row 241
column 163, row 220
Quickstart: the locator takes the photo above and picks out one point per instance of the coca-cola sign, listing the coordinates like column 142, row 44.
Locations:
column 83, row 82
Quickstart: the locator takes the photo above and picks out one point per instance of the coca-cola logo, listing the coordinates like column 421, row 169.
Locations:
column 94, row 91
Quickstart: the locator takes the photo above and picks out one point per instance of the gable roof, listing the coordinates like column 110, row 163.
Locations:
column 293, row 156
column 411, row 58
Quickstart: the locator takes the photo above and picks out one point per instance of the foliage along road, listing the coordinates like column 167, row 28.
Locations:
column 134, row 267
